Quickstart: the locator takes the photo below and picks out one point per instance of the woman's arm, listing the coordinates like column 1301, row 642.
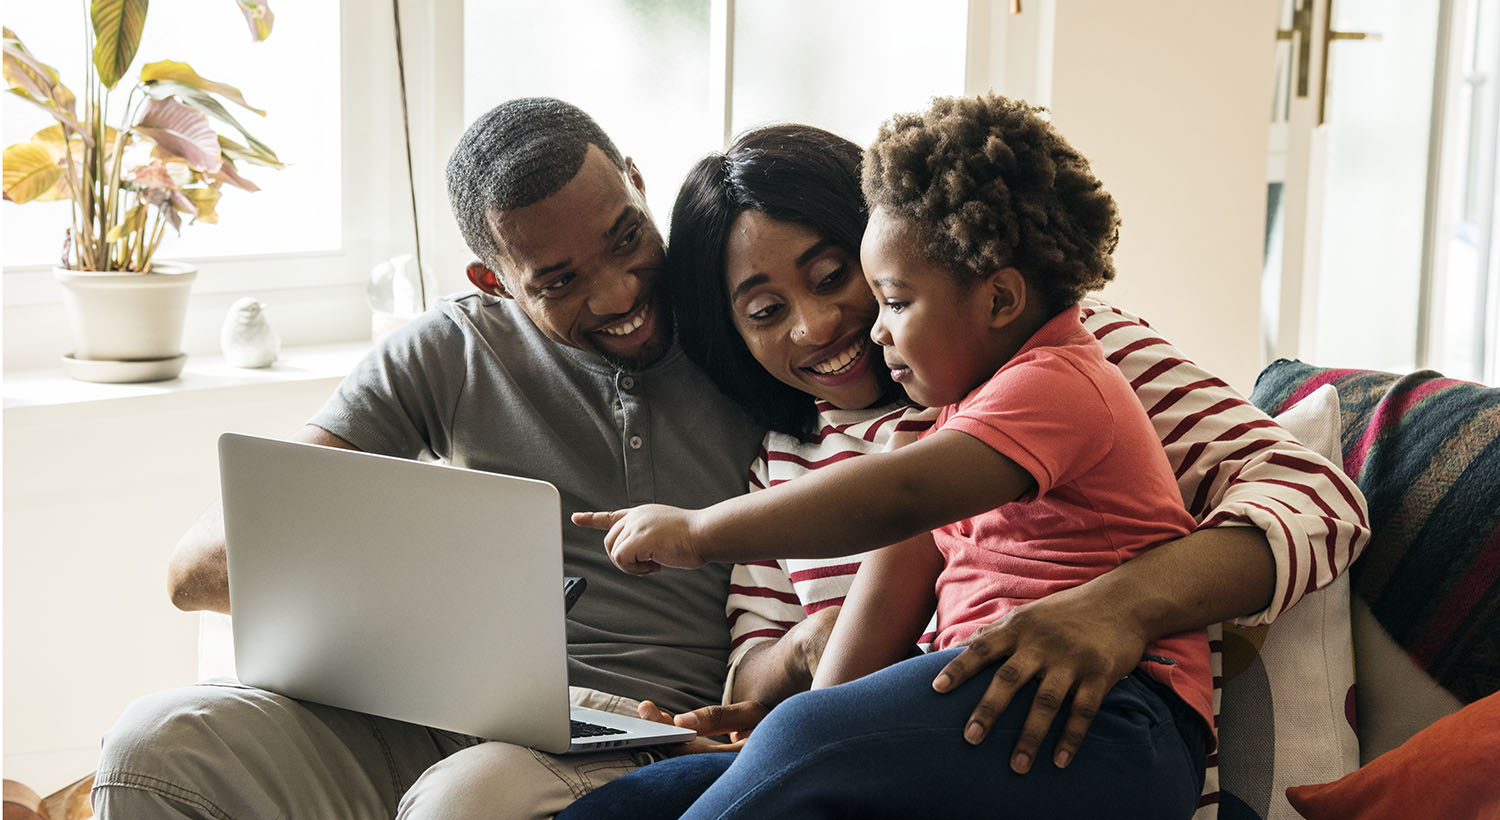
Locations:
column 887, row 608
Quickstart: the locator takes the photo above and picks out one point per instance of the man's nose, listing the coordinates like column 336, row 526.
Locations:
column 615, row 293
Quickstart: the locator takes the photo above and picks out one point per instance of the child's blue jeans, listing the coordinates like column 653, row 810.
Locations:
column 888, row 746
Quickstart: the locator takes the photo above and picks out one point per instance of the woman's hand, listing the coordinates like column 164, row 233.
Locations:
column 1071, row 642
column 642, row 540
column 734, row 719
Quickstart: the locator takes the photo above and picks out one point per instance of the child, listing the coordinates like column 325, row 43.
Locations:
column 1042, row 470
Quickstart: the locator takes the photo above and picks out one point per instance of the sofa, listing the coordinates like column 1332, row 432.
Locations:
column 1375, row 697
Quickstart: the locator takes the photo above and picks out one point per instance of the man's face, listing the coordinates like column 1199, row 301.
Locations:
column 584, row 264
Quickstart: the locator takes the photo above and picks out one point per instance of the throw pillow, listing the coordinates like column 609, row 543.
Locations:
column 1445, row 771
column 1285, row 713
column 1425, row 450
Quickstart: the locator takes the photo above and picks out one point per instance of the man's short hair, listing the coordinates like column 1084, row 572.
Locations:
column 517, row 154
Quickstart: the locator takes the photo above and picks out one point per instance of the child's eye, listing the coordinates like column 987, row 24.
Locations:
column 895, row 306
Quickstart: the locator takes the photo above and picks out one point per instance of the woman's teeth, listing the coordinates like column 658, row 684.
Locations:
column 829, row 367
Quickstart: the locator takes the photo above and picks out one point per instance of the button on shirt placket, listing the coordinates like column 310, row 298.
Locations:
column 635, row 424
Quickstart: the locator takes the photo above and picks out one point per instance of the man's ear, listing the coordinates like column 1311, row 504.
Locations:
column 486, row 280
column 634, row 175
column 1007, row 292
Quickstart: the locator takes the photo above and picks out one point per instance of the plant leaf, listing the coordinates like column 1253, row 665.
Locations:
column 204, row 199
column 233, row 150
column 135, row 220
column 259, row 16
column 30, row 171
column 228, row 173
column 173, row 71
column 181, row 131
column 164, row 89
column 36, row 82
column 117, row 35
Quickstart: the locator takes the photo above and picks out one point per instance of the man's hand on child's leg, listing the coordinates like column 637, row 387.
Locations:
column 1072, row 645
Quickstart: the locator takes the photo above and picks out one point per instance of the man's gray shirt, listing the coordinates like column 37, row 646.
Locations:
column 475, row 384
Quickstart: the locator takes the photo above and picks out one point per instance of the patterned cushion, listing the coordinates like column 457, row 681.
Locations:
column 1285, row 708
column 1426, row 452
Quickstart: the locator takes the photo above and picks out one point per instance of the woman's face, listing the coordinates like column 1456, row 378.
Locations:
column 801, row 304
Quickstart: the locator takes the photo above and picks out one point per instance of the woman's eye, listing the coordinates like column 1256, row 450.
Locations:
column 761, row 314
column 834, row 279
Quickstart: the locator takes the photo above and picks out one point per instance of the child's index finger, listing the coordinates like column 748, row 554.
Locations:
column 597, row 520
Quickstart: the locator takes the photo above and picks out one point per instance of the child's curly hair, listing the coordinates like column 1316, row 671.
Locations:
column 990, row 184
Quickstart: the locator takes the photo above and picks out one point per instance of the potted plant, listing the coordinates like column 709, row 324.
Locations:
column 163, row 161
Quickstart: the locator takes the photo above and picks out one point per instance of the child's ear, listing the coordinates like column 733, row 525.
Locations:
column 486, row 280
column 1007, row 292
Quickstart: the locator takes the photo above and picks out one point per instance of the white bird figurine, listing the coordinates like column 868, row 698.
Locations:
column 247, row 338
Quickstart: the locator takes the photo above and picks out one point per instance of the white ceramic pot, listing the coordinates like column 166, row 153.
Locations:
column 126, row 326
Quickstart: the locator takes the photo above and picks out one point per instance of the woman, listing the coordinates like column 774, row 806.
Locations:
column 771, row 303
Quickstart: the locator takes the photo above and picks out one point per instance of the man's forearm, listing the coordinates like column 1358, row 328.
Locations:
column 1205, row 577
column 198, row 574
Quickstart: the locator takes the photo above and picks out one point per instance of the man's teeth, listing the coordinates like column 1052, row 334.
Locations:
column 628, row 327
column 828, row 367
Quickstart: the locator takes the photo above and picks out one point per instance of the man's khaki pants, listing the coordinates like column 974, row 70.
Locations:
column 225, row 751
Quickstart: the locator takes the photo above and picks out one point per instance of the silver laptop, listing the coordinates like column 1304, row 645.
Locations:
column 415, row 591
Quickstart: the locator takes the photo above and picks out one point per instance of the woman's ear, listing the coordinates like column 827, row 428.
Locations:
column 486, row 280
column 1007, row 292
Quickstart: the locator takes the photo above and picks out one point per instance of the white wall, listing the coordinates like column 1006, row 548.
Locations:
column 1171, row 103
column 96, row 494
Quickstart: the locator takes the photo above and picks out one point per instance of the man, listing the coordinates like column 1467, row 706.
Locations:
column 561, row 368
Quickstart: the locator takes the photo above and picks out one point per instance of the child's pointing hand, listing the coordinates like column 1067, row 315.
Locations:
column 642, row 540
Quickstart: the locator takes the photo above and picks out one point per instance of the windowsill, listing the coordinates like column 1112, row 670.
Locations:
column 52, row 387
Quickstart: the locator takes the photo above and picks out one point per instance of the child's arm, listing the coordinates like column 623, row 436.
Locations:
column 891, row 601
column 841, row 509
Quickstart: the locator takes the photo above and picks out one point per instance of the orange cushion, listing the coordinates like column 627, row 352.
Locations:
column 1451, row 769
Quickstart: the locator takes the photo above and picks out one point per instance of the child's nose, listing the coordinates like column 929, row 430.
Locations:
column 878, row 334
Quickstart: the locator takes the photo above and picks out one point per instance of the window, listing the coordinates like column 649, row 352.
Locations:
column 293, row 76
column 645, row 70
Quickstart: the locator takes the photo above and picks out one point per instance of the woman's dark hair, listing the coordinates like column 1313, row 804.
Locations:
column 792, row 173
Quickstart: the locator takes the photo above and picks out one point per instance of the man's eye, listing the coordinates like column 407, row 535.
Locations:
column 560, row 283
column 630, row 236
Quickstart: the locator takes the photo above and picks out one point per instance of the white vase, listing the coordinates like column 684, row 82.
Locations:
column 126, row 327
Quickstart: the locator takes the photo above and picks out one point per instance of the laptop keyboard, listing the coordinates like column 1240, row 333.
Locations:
column 582, row 729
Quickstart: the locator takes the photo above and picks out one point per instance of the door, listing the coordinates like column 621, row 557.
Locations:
column 1347, row 241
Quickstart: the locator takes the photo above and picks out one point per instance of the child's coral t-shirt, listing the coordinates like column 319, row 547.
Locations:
column 1104, row 494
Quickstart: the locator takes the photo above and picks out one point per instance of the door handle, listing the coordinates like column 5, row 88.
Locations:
column 1300, row 34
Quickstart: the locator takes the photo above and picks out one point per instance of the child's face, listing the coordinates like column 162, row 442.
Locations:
column 937, row 334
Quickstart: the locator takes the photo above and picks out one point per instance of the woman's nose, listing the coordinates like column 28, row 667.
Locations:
column 816, row 325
